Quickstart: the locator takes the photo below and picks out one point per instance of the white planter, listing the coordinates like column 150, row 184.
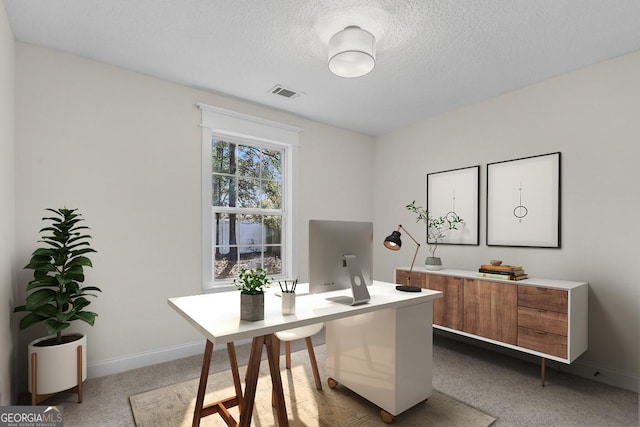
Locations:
column 57, row 365
column 433, row 263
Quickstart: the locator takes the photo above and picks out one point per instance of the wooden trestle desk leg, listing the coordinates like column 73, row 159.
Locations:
column 233, row 361
column 273, row 353
column 221, row 407
column 202, row 386
column 253, row 368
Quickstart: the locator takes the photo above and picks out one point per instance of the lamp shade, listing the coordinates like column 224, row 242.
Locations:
column 352, row 52
column 393, row 241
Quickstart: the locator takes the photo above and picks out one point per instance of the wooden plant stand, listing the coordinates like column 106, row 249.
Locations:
column 37, row 398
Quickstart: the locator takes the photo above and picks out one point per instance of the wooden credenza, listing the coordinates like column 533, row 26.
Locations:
column 547, row 318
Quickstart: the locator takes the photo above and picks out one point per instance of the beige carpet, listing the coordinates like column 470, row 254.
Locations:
column 306, row 406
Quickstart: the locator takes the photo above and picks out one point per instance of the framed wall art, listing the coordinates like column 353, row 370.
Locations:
column 523, row 202
column 456, row 192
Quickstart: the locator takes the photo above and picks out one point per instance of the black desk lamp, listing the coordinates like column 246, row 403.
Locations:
column 394, row 243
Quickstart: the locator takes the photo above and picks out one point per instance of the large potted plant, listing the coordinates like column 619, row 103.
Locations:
column 252, row 284
column 437, row 228
column 57, row 297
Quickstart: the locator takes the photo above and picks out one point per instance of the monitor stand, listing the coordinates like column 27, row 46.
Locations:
column 360, row 294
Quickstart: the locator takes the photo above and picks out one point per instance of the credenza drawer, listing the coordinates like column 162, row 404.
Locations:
column 543, row 298
column 544, row 342
column 543, row 320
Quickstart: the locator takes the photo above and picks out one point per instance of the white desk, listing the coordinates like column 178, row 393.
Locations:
column 391, row 328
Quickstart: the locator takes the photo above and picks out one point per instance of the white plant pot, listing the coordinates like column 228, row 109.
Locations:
column 433, row 263
column 57, row 367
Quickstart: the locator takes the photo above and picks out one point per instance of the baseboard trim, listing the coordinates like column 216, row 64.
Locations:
column 607, row 376
column 140, row 360
column 146, row 358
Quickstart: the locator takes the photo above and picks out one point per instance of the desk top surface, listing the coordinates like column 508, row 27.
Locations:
column 217, row 315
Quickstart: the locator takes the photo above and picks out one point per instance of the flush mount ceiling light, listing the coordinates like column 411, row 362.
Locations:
column 352, row 52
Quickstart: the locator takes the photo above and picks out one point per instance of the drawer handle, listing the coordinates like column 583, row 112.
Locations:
column 541, row 310
column 541, row 333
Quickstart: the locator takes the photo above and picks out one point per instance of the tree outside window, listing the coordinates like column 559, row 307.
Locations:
column 247, row 207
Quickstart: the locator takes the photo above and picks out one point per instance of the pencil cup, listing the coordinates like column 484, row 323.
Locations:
column 288, row 302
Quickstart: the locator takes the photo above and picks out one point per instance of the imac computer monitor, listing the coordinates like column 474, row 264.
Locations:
column 341, row 257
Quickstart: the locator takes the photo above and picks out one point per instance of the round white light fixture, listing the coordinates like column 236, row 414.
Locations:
column 352, row 52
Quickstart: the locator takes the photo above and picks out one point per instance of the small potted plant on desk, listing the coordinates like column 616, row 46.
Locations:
column 437, row 228
column 57, row 298
column 252, row 284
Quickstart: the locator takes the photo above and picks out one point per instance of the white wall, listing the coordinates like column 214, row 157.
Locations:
column 7, row 205
column 124, row 148
column 592, row 116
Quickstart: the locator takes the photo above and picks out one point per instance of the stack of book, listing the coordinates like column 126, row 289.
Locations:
column 504, row 272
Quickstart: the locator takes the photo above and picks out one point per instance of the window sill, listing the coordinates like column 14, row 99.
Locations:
column 214, row 289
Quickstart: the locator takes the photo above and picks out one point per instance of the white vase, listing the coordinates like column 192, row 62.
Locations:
column 433, row 263
column 288, row 302
column 57, row 365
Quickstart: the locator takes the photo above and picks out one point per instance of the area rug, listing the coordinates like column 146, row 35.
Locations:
column 173, row 405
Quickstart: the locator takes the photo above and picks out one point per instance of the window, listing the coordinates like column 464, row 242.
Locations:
column 249, row 167
column 247, row 208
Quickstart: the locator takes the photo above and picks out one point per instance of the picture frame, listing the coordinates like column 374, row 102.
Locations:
column 523, row 202
column 456, row 190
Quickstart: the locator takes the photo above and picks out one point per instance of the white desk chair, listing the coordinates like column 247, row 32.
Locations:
column 298, row 333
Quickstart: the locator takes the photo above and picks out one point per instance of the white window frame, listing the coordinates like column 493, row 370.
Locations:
column 241, row 128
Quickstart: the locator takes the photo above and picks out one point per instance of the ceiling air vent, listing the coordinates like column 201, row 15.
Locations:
column 284, row 92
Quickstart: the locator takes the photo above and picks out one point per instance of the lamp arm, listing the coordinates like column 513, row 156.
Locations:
column 400, row 227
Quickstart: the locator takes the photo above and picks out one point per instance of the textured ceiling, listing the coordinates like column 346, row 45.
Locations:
column 432, row 56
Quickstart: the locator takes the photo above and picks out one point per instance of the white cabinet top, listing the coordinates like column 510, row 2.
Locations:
column 533, row 281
